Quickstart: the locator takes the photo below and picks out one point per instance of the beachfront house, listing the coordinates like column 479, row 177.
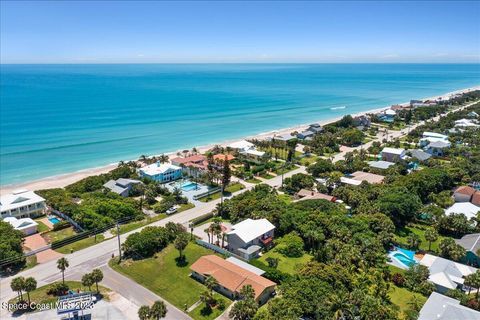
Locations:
column 387, row 115
column 429, row 137
column 471, row 244
column 306, row 135
column 121, row 186
column 437, row 148
column 362, row 122
column 247, row 238
column 232, row 277
column 191, row 165
column 441, row 307
column 315, row 128
column 161, row 172
column 25, row 225
column 241, row 146
column 284, row 138
column 393, row 154
column 446, row 274
column 22, row 204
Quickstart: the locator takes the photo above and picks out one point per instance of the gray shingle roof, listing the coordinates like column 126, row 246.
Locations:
column 419, row 154
column 441, row 307
column 471, row 242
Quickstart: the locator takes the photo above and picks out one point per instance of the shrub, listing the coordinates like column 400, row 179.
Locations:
column 291, row 245
column 221, row 304
column 398, row 279
column 61, row 225
column 57, row 289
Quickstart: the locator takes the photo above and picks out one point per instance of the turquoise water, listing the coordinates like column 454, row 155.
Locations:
column 189, row 186
column 53, row 219
column 61, row 118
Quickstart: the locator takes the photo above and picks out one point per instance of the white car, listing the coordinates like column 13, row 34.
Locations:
column 172, row 210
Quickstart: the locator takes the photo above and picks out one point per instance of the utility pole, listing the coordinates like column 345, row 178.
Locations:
column 119, row 248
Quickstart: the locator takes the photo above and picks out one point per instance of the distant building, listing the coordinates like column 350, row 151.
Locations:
column 446, row 274
column 440, row 307
column 466, row 123
column 232, row 277
column 315, row 128
column 285, row 137
column 437, row 148
column 472, row 114
column 26, row 225
column 242, row 145
column 362, row 121
column 192, row 164
column 387, row 115
column 393, row 154
column 121, row 186
column 305, row 135
column 22, row 204
column 247, row 238
column 358, row 177
column 381, row 165
column 161, row 172
column 419, row 154
column 464, row 194
column 429, row 137
column 223, row 157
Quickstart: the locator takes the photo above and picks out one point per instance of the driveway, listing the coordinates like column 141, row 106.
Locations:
column 36, row 241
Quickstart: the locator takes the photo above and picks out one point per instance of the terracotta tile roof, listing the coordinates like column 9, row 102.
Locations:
column 312, row 195
column 222, row 157
column 476, row 198
column 195, row 158
column 229, row 275
column 367, row 176
column 465, row 190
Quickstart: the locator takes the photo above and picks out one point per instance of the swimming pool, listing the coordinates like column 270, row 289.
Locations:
column 189, row 186
column 53, row 219
column 402, row 258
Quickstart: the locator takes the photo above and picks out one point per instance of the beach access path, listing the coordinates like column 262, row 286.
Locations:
column 97, row 256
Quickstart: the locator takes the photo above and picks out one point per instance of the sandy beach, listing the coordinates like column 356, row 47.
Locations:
column 63, row 180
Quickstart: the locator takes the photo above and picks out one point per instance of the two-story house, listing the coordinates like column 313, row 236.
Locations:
column 161, row 172
column 22, row 204
column 247, row 238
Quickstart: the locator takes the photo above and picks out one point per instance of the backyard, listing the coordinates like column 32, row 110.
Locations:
column 285, row 264
column 162, row 275
column 57, row 235
column 402, row 297
column 402, row 235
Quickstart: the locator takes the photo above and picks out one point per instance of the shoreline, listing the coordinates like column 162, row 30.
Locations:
column 62, row 180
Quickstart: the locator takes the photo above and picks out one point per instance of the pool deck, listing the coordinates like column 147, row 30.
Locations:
column 395, row 262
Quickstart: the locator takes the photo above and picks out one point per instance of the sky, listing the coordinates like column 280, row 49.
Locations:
column 235, row 32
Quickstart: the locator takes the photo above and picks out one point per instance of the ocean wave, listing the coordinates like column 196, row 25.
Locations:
column 338, row 108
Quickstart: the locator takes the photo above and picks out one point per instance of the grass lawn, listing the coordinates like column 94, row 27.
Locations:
column 31, row 261
column 402, row 235
column 285, row 198
column 40, row 295
column 233, row 187
column 81, row 244
column 201, row 312
column 58, row 235
column 285, row 264
column 401, row 297
column 253, row 180
column 279, row 171
column 42, row 227
column 266, row 176
column 162, row 275
column 308, row 160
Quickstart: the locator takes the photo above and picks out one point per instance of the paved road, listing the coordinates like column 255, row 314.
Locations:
column 97, row 256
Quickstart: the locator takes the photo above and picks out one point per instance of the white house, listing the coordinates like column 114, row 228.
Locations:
column 429, row 137
column 26, row 225
column 467, row 208
column 161, row 172
column 440, row 307
column 446, row 274
column 22, row 204
column 249, row 236
column 465, row 123
column 393, row 154
column 242, row 146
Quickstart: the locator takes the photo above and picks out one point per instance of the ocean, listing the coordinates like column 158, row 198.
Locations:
column 57, row 119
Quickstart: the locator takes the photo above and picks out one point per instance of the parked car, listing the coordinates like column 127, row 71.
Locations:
column 172, row 210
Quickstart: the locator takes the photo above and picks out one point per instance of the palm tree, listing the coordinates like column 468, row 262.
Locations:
column 87, row 281
column 144, row 313
column 30, row 285
column 180, row 243
column 207, row 231
column 158, row 310
column 211, row 283
column 431, row 236
column 17, row 285
column 206, row 297
column 97, row 276
column 163, row 158
column 469, row 282
column 62, row 265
